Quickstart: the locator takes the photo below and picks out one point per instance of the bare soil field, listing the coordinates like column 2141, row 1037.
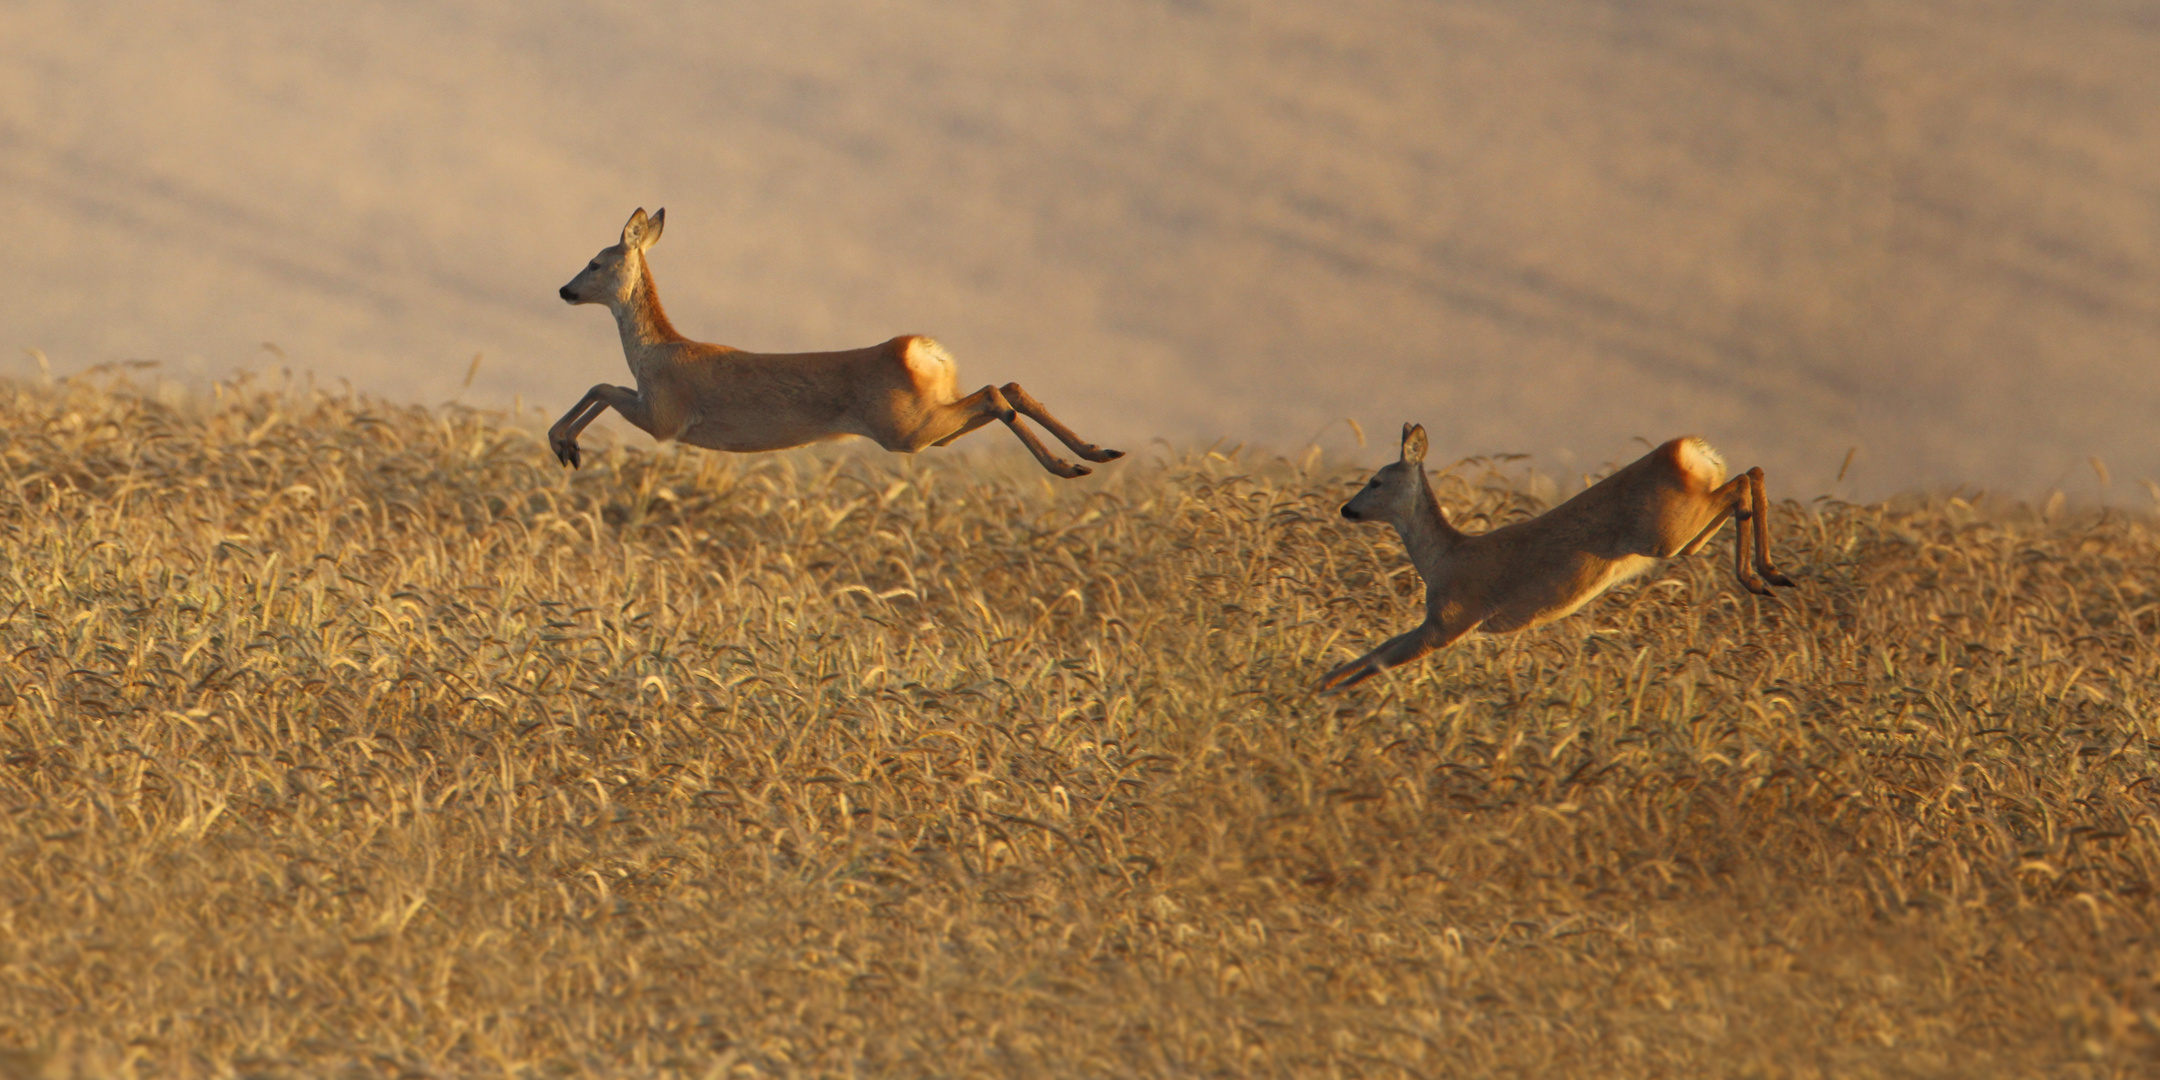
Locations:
column 343, row 738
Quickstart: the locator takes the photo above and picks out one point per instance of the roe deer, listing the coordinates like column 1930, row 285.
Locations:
column 899, row 394
column 1668, row 503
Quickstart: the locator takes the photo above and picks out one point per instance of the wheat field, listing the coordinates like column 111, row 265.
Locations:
column 340, row 738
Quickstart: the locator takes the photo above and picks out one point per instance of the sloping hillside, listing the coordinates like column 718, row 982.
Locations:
column 1927, row 230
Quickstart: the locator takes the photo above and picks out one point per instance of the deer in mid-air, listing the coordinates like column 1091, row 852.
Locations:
column 899, row 395
column 1670, row 502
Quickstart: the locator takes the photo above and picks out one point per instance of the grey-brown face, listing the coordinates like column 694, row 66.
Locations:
column 601, row 280
column 1392, row 493
column 613, row 274
column 1382, row 496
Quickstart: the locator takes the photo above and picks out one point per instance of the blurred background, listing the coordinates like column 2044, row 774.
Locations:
column 1925, row 234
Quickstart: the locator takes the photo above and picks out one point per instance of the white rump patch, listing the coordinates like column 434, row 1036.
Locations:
column 1700, row 459
column 926, row 357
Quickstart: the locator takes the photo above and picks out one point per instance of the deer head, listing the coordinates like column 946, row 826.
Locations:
column 1393, row 493
column 614, row 274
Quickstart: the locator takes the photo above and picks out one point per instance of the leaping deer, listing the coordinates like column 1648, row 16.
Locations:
column 899, row 395
column 1668, row 503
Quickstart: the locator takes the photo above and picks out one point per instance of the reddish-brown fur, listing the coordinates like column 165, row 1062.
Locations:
column 655, row 314
column 900, row 394
column 1669, row 502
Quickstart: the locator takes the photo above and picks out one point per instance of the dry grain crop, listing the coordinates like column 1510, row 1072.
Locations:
column 339, row 738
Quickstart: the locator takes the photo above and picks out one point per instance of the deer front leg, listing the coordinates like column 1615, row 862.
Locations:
column 1761, row 512
column 1033, row 409
column 1398, row 651
column 562, row 438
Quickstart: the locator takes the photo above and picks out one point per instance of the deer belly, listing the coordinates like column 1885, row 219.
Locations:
column 1613, row 573
column 1565, row 594
column 744, row 434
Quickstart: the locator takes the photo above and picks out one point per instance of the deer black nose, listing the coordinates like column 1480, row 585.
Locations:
column 1349, row 513
column 564, row 292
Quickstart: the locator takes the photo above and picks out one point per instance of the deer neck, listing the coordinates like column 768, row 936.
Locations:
column 1425, row 531
column 643, row 322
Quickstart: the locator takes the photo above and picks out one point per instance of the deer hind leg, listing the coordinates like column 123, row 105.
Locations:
column 1730, row 501
column 987, row 404
column 1034, row 410
column 1395, row 653
column 1760, row 510
column 562, row 438
column 1727, row 500
column 976, row 409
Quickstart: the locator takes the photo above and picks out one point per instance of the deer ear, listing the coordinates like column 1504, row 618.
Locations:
column 634, row 230
column 1413, row 442
column 652, row 229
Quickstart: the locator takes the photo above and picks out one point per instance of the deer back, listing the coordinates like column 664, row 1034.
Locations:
column 1650, row 507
